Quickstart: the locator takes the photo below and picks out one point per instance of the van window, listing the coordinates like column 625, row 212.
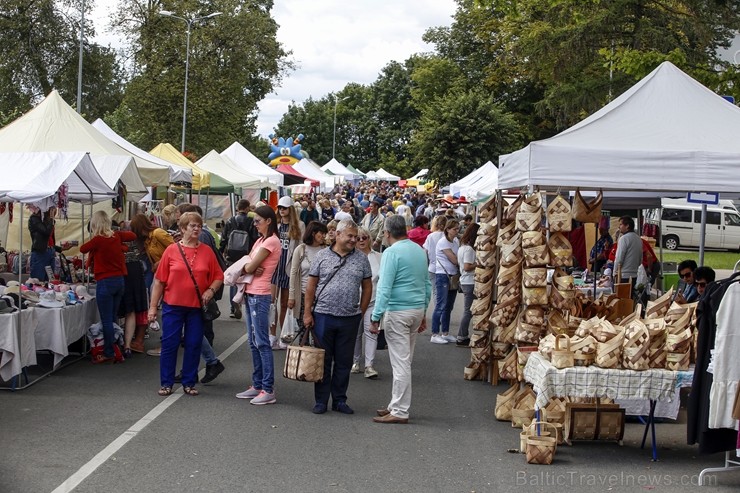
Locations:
column 682, row 215
column 732, row 219
column 712, row 217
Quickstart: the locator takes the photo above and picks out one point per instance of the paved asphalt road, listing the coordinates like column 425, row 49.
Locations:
column 105, row 429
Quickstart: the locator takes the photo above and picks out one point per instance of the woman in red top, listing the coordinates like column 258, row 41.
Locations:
column 181, row 307
column 420, row 231
column 109, row 266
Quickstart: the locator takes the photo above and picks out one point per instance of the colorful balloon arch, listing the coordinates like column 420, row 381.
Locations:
column 285, row 150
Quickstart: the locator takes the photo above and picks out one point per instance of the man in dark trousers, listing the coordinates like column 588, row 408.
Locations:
column 240, row 222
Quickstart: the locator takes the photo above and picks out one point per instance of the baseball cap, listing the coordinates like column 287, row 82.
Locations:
column 285, row 202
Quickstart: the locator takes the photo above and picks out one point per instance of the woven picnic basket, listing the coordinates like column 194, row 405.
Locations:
column 528, row 221
column 488, row 210
column 484, row 274
column 559, row 215
column 483, row 290
column 528, row 333
column 562, row 299
column 587, row 327
column 556, row 322
column 678, row 361
column 636, row 346
column 506, row 233
column 506, row 333
column 500, row 349
column 505, row 402
column 555, row 410
column 534, row 296
column 538, row 256
column 609, row 353
column 532, row 238
column 679, row 334
column 587, row 211
column 481, row 322
column 584, row 350
column 541, row 449
column 523, row 411
column 657, row 332
column 507, row 366
column 534, row 277
column 561, row 251
column 509, row 215
column 508, row 274
column 523, row 351
column 547, row 344
column 659, row 307
column 511, row 252
column 534, row 315
column 485, row 258
column 481, row 306
column 562, row 356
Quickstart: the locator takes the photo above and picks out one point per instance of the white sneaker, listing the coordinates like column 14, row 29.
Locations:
column 355, row 368
column 449, row 338
column 370, row 372
column 282, row 345
column 264, row 398
column 250, row 393
column 438, row 339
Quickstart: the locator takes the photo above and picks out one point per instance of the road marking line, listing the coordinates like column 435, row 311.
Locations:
column 101, row 457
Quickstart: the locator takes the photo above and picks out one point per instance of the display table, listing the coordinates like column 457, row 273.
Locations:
column 591, row 381
column 52, row 329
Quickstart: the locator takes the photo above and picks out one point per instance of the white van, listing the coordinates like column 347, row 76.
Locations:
column 682, row 225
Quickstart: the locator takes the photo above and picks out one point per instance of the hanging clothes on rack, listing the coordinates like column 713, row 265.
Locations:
column 710, row 440
column 726, row 369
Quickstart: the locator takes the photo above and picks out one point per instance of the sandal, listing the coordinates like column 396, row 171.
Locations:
column 165, row 391
column 190, row 391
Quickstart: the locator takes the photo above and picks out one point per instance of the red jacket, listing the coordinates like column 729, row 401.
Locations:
column 108, row 254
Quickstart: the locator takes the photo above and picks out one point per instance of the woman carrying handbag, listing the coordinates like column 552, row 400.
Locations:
column 188, row 276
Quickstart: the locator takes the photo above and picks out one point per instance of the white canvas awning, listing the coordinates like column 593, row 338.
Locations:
column 385, row 176
column 43, row 174
column 150, row 167
column 248, row 162
column 476, row 182
column 309, row 169
column 339, row 169
column 666, row 133
column 53, row 126
column 225, row 168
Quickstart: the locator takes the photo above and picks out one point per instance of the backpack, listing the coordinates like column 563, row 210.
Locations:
column 240, row 241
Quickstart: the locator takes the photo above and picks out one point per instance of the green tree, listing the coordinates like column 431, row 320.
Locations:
column 462, row 131
column 39, row 52
column 553, row 62
column 235, row 60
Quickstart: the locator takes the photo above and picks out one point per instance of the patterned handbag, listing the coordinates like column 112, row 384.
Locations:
column 587, row 211
column 559, row 215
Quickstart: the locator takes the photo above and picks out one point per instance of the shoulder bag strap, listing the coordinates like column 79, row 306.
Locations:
column 190, row 271
column 331, row 276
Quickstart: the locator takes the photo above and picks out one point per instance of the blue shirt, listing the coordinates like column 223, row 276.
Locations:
column 404, row 283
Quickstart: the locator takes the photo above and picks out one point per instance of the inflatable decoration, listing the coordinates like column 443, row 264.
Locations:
column 285, row 151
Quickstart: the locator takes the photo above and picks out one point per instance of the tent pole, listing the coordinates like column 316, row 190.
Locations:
column 596, row 235
column 660, row 244
column 20, row 273
column 702, row 232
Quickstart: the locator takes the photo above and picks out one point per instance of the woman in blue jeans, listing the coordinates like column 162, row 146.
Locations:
column 265, row 256
column 446, row 259
column 105, row 250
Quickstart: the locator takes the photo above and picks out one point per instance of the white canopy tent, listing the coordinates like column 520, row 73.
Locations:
column 307, row 168
column 54, row 126
column 420, row 175
column 372, row 175
column 148, row 165
column 385, row 176
column 476, row 181
column 248, row 162
column 224, row 167
column 340, row 170
column 43, row 174
column 667, row 133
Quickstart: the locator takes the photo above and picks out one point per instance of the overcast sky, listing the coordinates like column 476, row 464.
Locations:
column 334, row 43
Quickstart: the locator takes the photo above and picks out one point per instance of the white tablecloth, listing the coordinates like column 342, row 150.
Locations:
column 592, row 381
column 42, row 328
column 663, row 408
column 589, row 291
column 16, row 353
column 59, row 327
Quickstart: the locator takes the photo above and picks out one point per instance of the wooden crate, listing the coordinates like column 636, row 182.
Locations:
column 594, row 422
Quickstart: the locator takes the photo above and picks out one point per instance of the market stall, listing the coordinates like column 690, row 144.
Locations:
column 248, row 162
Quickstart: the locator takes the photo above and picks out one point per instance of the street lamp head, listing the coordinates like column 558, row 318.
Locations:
column 165, row 13
column 210, row 16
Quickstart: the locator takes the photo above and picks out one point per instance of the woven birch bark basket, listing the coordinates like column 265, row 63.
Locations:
column 532, row 238
column 561, row 251
column 636, row 346
column 559, row 215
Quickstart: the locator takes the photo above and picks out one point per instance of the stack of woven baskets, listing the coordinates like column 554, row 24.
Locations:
column 485, row 259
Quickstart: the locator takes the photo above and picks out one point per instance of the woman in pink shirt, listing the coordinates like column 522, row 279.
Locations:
column 265, row 256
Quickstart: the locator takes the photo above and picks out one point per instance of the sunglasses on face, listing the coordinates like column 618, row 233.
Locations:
column 701, row 284
column 363, row 238
column 685, row 275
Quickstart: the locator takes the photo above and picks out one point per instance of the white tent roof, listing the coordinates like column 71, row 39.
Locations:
column 466, row 183
column 340, row 170
column 421, row 174
column 54, row 126
column 224, row 167
column 666, row 133
column 482, row 185
column 372, row 175
column 384, row 175
column 248, row 162
column 149, row 165
column 43, row 174
column 310, row 170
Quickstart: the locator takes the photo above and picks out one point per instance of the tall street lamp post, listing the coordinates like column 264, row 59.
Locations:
column 79, row 66
column 189, row 23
